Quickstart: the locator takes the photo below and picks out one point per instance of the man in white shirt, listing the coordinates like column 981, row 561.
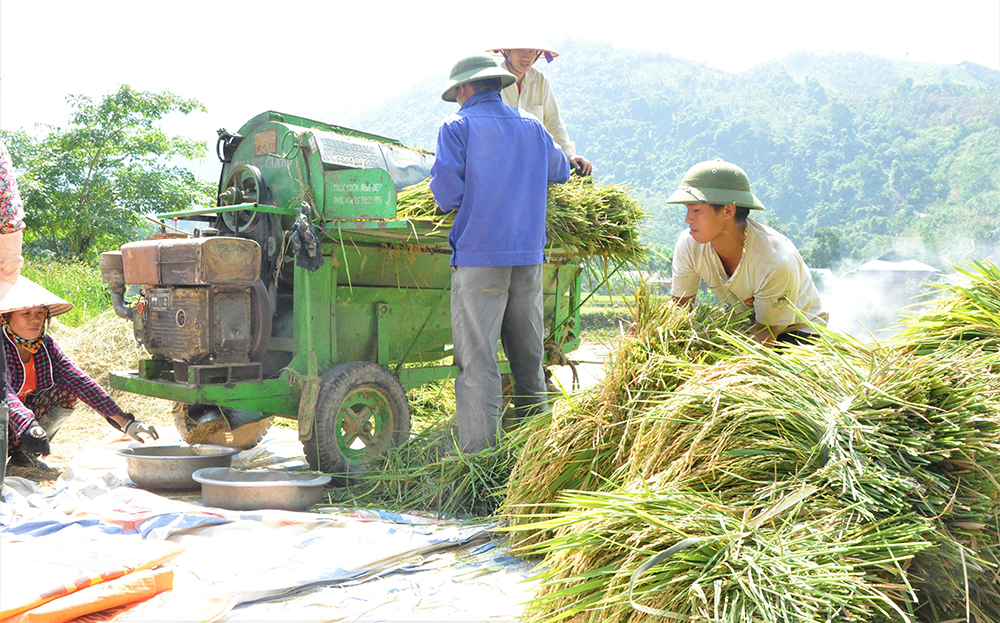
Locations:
column 744, row 263
column 533, row 93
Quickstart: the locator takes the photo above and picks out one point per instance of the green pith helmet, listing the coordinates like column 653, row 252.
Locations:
column 472, row 68
column 716, row 182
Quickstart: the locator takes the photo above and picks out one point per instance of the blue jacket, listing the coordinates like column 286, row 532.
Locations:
column 494, row 164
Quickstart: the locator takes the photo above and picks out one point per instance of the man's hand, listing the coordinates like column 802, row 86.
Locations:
column 35, row 441
column 134, row 427
column 763, row 334
column 582, row 165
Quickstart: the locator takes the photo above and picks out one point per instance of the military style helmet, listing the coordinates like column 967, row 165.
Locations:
column 472, row 68
column 716, row 182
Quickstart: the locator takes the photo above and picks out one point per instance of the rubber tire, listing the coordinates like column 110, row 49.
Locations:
column 342, row 383
column 244, row 437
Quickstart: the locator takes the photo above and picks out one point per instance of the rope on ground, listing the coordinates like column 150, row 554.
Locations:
column 556, row 357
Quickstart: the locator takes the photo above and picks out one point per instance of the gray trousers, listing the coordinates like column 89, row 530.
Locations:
column 487, row 304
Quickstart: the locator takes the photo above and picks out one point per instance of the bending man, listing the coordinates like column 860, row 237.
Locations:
column 741, row 261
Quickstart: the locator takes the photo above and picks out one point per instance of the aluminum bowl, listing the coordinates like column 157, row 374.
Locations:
column 172, row 467
column 233, row 489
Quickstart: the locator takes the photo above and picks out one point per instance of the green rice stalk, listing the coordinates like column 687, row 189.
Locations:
column 578, row 446
column 813, row 562
column 583, row 220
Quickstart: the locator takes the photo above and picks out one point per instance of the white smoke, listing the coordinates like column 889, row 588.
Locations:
column 871, row 306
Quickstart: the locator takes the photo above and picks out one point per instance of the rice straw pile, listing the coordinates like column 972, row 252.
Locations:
column 583, row 219
column 429, row 473
column 839, row 482
column 710, row 479
column 576, row 446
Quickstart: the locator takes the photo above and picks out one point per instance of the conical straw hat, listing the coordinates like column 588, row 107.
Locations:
column 25, row 294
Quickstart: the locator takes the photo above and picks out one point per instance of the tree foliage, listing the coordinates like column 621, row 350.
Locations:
column 882, row 154
column 86, row 187
column 825, row 249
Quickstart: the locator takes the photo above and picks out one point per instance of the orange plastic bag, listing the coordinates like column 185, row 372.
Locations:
column 128, row 589
column 43, row 569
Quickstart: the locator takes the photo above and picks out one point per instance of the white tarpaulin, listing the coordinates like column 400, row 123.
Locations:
column 270, row 565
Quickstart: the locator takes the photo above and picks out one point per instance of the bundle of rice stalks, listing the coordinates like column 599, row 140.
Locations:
column 583, row 220
column 836, row 404
column 430, row 473
column 577, row 446
column 882, row 432
column 673, row 555
column 417, row 202
column 968, row 312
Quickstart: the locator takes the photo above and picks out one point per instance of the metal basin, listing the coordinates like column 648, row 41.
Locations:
column 224, row 487
column 172, row 467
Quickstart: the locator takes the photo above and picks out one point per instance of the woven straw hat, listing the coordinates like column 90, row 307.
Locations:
column 25, row 294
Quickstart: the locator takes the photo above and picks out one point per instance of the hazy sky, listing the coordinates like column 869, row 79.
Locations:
column 329, row 60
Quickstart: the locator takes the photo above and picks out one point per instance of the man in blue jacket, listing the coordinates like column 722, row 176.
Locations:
column 494, row 164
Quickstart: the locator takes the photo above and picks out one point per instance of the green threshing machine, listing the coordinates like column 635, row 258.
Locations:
column 239, row 332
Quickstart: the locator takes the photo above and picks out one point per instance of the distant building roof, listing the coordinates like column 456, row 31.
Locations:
column 893, row 263
column 905, row 266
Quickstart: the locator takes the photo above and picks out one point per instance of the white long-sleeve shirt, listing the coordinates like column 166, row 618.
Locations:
column 537, row 98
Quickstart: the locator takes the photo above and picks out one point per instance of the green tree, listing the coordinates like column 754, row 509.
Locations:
column 88, row 185
column 825, row 250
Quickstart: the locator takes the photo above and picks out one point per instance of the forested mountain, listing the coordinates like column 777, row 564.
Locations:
column 850, row 149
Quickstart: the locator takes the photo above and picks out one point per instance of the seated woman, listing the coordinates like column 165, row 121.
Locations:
column 43, row 384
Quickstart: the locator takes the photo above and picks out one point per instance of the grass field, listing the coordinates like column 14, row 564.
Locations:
column 77, row 282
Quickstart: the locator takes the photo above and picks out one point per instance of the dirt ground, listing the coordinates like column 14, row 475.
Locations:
column 86, row 427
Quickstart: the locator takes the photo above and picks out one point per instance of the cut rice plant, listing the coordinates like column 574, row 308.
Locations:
column 583, row 219
column 678, row 555
column 578, row 446
column 969, row 312
column 430, row 473
column 880, row 430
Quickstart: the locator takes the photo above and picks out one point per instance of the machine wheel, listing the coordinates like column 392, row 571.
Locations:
column 245, row 185
column 360, row 412
column 210, row 424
